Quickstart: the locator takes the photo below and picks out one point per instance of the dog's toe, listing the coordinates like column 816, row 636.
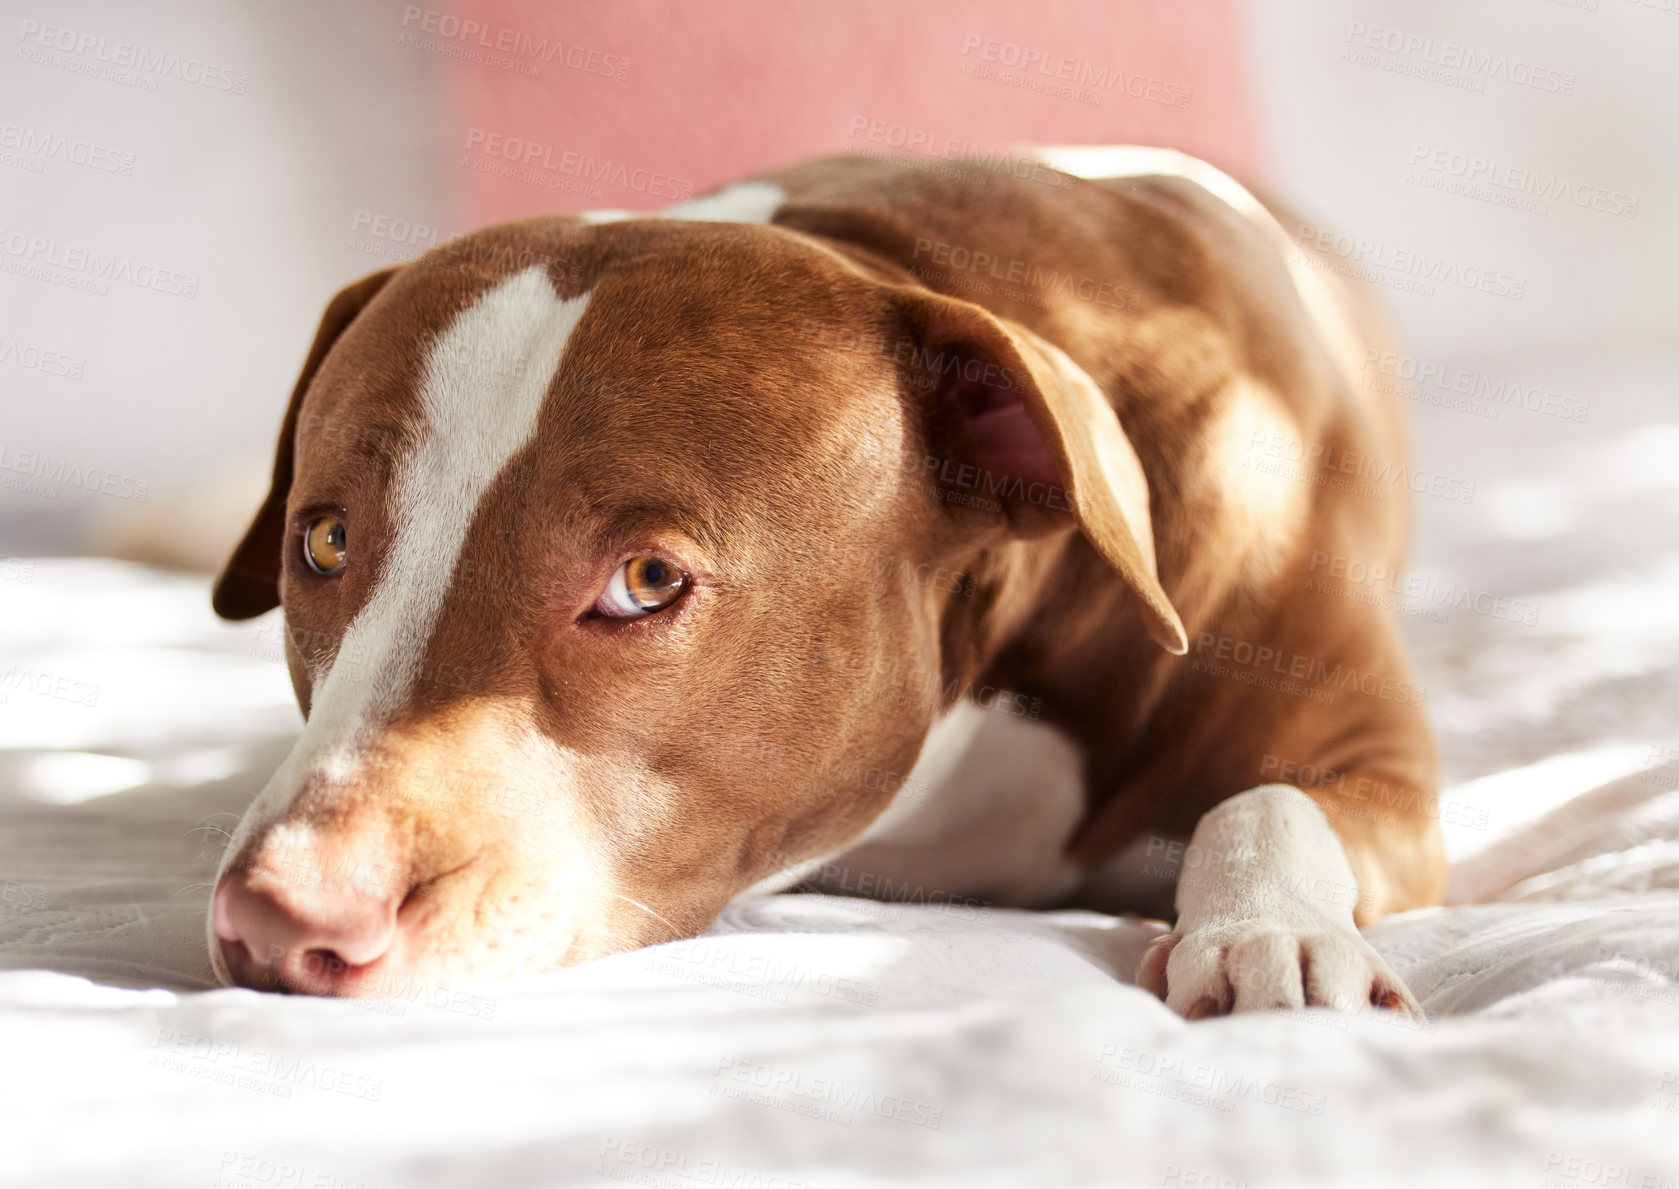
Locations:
column 1265, row 969
column 1338, row 972
column 1344, row 973
column 1197, row 979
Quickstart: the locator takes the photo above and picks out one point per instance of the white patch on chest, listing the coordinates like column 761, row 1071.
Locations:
column 985, row 814
column 475, row 419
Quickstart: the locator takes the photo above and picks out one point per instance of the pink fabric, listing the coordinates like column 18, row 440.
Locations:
column 635, row 103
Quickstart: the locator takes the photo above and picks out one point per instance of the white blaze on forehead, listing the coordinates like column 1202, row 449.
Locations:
column 476, row 413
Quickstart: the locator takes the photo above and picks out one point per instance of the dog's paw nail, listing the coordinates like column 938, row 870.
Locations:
column 1386, row 998
column 1151, row 971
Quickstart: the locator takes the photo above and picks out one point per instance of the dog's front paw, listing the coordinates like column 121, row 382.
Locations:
column 1255, row 965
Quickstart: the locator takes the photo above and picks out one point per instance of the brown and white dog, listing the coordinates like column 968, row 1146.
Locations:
column 858, row 525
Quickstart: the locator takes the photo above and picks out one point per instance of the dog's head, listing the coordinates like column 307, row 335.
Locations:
column 612, row 557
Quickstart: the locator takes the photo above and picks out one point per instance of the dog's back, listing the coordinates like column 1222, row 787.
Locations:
column 1231, row 351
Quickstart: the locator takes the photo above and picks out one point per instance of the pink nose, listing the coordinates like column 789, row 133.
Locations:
column 300, row 937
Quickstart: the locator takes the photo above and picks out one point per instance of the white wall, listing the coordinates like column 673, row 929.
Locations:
column 253, row 195
column 1345, row 132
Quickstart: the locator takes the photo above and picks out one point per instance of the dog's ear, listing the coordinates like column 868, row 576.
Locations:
column 1038, row 438
column 250, row 582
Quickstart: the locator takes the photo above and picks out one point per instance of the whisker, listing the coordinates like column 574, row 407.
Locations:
column 629, row 900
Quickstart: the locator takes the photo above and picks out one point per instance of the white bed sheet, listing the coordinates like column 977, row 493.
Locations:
column 825, row 1042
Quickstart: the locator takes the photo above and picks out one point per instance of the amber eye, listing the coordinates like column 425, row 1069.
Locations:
column 323, row 545
column 640, row 587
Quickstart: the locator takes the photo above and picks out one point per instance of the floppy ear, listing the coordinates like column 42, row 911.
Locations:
column 249, row 583
column 1042, row 440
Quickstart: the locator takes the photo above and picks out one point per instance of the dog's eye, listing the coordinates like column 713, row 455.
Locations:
column 323, row 545
column 640, row 587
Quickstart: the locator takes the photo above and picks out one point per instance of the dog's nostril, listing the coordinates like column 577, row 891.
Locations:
column 311, row 938
column 324, row 961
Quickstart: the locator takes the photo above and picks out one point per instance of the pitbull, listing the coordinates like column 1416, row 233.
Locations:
column 868, row 524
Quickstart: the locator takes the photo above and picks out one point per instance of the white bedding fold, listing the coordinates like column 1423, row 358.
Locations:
column 806, row 1040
